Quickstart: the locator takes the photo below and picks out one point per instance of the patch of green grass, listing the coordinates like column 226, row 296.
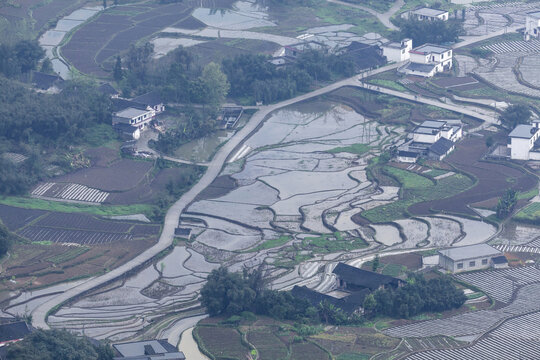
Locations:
column 341, row 14
column 528, row 194
column 354, row 356
column 377, row 5
column 72, row 253
column 390, row 84
column 99, row 135
column 45, row 242
column 272, row 243
column 102, row 210
column 331, row 243
column 394, row 270
column 407, row 179
column 443, row 188
column 531, row 213
column 358, row 149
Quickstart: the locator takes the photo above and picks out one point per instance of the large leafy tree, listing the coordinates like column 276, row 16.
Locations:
column 57, row 345
column 226, row 293
column 436, row 32
column 514, row 115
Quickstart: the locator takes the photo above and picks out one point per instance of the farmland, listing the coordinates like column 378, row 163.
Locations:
column 56, row 246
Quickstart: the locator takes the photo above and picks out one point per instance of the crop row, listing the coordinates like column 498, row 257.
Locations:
column 35, row 233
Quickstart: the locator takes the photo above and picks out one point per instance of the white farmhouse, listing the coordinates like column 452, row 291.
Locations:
column 523, row 142
column 468, row 258
column 430, row 131
column 428, row 14
column 532, row 25
column 140, row 118
column 397, row 51
column 428, row 59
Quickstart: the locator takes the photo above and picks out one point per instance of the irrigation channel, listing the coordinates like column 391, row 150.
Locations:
column 215, row 166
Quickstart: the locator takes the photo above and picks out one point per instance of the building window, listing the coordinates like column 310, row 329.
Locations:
column 472, row 263
column 460, row 265
column 484, row 261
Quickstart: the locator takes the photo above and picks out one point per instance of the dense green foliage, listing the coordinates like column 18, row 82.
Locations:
column 5, row 239
column 253, row 77
column 417, row 296
column 514, row 115
column 231, row 294
column 435, row 32
column 55, row 120
column 19, row 58
column 32, row 122
column 506, row 203
column 57, row 345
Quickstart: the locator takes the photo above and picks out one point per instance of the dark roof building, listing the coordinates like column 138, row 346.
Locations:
column 120, row 104
column 108, row 89
column 14, row 331
column 315, row 298
column 353, row 278
column 441, row 148
column 148, row 350
column 45, row 81
column 152, row 99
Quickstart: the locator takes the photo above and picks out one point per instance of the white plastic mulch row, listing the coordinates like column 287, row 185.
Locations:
column 76, row 192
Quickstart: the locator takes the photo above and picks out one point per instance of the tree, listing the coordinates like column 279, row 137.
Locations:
column 514, row 115
column 46, row 66
column 506, row 203
column 57, row 345
column 489, row 141
column 226, row 293
column 118, row 73
column 216, row 84
column 104, row 4
column 375, row 264
column 436, row 32
column 5, row 239
column 370, row 305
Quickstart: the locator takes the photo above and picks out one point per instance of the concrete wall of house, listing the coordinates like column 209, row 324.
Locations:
column 532, row 27
column 406, row 159
column 534, row 155
column 419, row 58
column 426, row 138
column 519, row 149
column 395, row 54
column 479, row 263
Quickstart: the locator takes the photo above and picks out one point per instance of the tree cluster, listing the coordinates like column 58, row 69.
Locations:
column 57, row 345
column 417, row 296
column 5, row 239
column 20, row 58
column 514, row 115
column 435, row 32
column 252, row 76
column 232, row 294
column 506, row 203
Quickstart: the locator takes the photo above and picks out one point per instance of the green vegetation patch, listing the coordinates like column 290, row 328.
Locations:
column 102, row 210
column 332, row 243
column 390, row 84
column 413, row 192
column 272, row 243
column 358, row 149
column 339, row 14
column 72, row 253
column 222, row 342
column 531, row 214
column 408, row 179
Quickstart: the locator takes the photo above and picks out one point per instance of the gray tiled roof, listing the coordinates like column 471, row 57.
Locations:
column 523, row 131
column 469, row 252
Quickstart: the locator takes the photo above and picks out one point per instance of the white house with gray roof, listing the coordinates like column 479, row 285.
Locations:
column 468, row 258
column 428, row 59
column 397, row 51
column 524, row 142
column 427, row 14
column 532, row 25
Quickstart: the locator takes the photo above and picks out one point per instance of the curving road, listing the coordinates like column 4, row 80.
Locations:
column 39, row 315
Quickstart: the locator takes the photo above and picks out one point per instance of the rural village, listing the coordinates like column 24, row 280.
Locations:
column 270, row 179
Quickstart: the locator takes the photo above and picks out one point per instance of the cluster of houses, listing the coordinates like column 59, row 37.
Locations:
column 432, row 139
column 132, row 116
column 354, row 284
